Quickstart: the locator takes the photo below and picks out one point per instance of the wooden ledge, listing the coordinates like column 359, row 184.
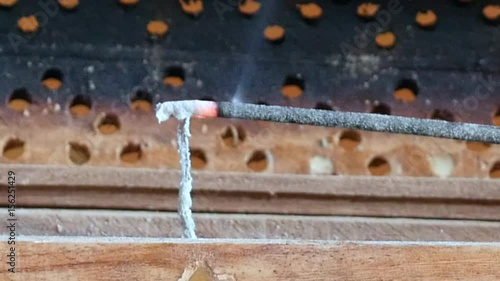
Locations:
column 70, row 222
column 365, row 186
column 156, row 189
column 56, row 258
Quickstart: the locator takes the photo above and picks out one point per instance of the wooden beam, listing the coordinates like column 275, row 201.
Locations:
column 63, row 222
column 113, row 188
column 56, row 258
column 342, row 186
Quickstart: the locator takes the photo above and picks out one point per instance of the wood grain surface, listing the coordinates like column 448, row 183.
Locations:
column 55, row 258
column 156, row 189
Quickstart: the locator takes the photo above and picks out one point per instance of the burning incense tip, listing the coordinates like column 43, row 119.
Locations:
column 185, row 109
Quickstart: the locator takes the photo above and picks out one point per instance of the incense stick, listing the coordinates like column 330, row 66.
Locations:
column 351, row 120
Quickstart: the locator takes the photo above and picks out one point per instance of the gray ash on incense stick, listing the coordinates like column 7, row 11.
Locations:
column 183, row 112
column 361, row 121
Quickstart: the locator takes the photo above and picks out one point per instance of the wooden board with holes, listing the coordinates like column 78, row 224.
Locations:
column 243, row 146
column 154, row 189
column 51, row 258
column 155, row 47
column 77, row 91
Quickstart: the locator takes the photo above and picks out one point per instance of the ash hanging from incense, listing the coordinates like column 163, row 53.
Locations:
column 183, row 111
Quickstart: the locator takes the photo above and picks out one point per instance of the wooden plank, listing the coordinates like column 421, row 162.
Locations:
column 61, row 222
column 342, row 186
column 290, row 147
column 56, row 258
column 113, row 188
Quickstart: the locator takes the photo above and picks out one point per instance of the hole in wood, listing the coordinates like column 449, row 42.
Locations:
column 274, row 34
column 349, row 140
column 496, row 117
column 442, row 114
column 323, row 106
column 293, row 87
column 157, row 28
column 426, row 19
column 20, row 100
column 319, row 165
column 233, row 136
column 192, row 8
column 68, row 4
column 108, row 124
column 28, row 24
column 491, row 13
column 378, row 166
column 52, row 79
column 128, row 3
column 198, row 158
column 131, row 153
column 174, row 76
column 7, row 3
column 495, row 171
column 385, row 40
column 249, row 7
column 310, row 11
column 13, row 149
column 79, row 154
column 406, row 91
column 367, row 10
column 258, row 161
column 80, row 105
column 442, row 165
column 141, row 101
column 381, row 108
